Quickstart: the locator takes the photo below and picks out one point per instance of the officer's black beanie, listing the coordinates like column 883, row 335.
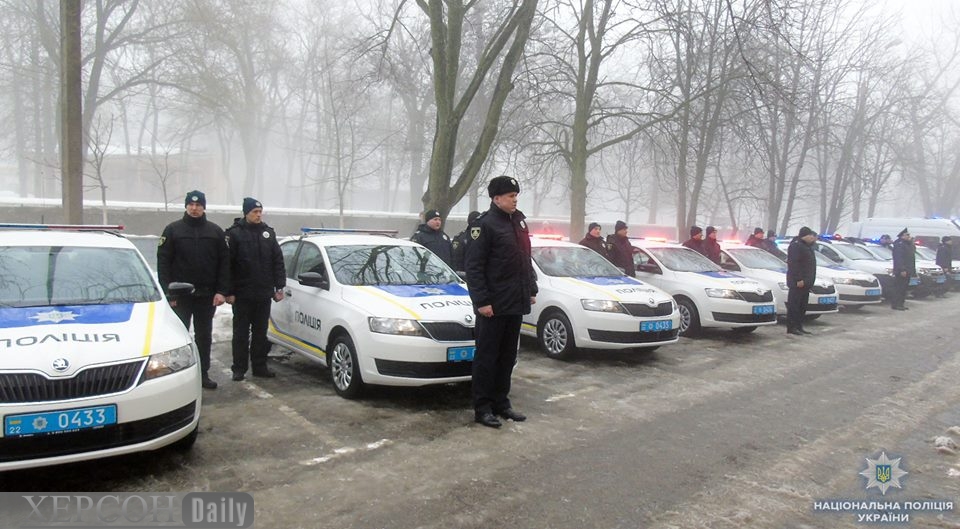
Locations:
column 695, row 230
column 902, row 233
column 472, row 216
column 250, row 204
column 620, row 225
column 804, row 231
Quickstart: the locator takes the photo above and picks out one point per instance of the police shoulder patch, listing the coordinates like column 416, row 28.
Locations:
column 475, row 232
column 226, row 240
column 161, row 241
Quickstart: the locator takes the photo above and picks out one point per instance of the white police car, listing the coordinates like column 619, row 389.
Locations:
column 770, row 271
column 94, row 362
column 586, row 302
column 706, row 295
column 855, row 288
column 375, row 310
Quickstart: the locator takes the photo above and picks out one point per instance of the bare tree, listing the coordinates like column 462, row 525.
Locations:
column 98, row 147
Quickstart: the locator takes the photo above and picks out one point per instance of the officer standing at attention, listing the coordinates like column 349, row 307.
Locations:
column 460, row 242
column 432, row 237
column 257, row 275
column 192, row 250
column 711, row 248
column 695, row 242
column 945, row 261
column 801, row 273
column 594, row 240
column 502, row 286
column 620, row 250
column 904, row 267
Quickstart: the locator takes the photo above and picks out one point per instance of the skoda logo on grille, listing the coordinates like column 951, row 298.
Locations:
column 759, row 291
column 468, row 318
column 652, row 302
column 61, row 364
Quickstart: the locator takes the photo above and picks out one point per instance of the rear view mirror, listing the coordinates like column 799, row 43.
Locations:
column 313, row 279
column 176, row 289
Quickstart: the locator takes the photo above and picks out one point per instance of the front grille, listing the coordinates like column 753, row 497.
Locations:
column 820, row 290
column 743, row 318
column 851, row 297
column 642, row 310
column 128, row 433
column 448, row 331
column 632, row 337
column 90, row 382
column 395, row 368
column 868, row 283
column 753, row 297
column 821, row 307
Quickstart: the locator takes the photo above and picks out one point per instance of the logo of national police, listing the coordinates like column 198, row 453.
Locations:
column 53, row 316
column 432, row 291
column 883, row 473
column 523, row 224
column 474, row 233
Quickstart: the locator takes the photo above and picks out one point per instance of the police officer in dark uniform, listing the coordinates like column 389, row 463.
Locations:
column 192, row 250
column 695, row 242
column 502, row 286
column 904, row 267
column 460, row 242
column 801, row 273
column 594, row 240
column 711, row 248
column 620, row 250
column 257, row 275
column 432, row 237
column 945, row 261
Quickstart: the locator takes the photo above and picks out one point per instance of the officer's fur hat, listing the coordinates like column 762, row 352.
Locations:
column 502, row 185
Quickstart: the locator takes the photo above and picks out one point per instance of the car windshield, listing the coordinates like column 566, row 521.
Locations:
column 36, row 276
column 823, row 260
column 880, row 252
column 684, row 260
column 388, row 265
column 857, row 253
column 926, row 253
column 756, row 258
column 573, row 262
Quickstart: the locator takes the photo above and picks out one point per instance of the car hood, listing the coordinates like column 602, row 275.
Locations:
column 842, row 272
column 727, row 280
column 74, row 336
column 419, row 302
column 624, row 289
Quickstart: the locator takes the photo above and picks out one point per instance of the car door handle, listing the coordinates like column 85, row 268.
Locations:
column 288, row 293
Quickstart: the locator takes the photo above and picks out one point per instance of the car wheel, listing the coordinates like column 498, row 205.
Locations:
column 185, row 444
column 689, row 317
column 344, row 367
column 811, row 317
column 744, row 330
column 555, row 335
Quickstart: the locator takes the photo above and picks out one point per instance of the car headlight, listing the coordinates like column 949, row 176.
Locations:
column 844, row 281
column 783, row 286
column 722, row 293
column 602, row 305
column 889, row 271
column 395, row 326
column 169, row 362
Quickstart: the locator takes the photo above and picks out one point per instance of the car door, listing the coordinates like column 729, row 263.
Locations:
column 309, row 305
column 281, row 312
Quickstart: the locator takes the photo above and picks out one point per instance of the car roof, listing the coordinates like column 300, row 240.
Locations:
column 647, row 243
column 539, row 242
column 341, row 239
column 94, row 239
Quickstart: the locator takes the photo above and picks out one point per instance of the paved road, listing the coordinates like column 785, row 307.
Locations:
column 722, row 431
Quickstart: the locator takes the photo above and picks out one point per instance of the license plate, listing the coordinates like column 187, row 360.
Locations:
column 828, row 300
column 460, row 354
column 654, row 326
column 914, row 281
column 872, row 292
column 941, row 279
column 764, row 309
column 51, row 422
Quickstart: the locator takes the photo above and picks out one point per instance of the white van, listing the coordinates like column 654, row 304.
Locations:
column 924, row 229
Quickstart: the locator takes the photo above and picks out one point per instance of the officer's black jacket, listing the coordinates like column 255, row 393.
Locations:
column 904, row 258
column 459, row 249
column 621, row 253
column 596, row 244
column 695, row 245
column 256, row 263
column 711, row 249
column 945, row 256
column 436, row 241
column 498, row 266
column 193, row 251
column 801, row 263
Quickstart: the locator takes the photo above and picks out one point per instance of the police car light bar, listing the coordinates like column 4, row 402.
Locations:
column 548, row 236
column 72, row 227
column 349, row 230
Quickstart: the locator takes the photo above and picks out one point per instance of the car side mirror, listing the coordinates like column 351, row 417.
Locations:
column 650, row 268
column 176, row 289
column 313, row 279
column 730, row 265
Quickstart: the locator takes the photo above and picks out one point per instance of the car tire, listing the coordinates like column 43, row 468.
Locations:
column 744, row 330
column 185, row 444
column 811, row 317
column 344, row 368
column 689, row 317
column 555, row 335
